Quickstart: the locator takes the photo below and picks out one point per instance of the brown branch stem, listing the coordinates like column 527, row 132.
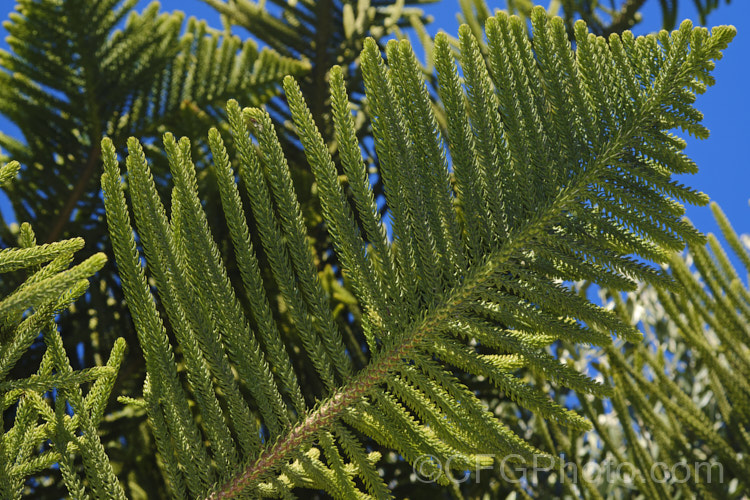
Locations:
column 78, row 191
column 347, row 396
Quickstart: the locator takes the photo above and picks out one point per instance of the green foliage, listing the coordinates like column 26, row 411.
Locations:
column 602, row 18
column 677, row 424
column 325, row 33
column 691, row 394
column 81, row 69
column 78, row 70
column 46, row 427
column 68, row 82
column 270, row 355
column 570, row 180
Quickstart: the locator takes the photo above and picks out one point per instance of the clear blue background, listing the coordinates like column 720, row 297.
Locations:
column 723, row 158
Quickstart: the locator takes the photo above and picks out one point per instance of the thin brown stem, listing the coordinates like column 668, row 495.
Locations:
column 64, row 216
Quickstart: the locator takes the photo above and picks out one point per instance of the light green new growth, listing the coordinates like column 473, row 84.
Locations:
column 8, row 172
column 570, row 180
column 41, row 419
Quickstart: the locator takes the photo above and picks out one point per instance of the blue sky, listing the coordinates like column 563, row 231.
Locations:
column 724, row 158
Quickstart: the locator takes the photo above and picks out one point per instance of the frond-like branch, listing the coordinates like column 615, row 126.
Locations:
column 556, row 167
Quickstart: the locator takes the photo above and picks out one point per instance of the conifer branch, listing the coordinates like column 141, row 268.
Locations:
column 404, row 346
column 428, row 301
